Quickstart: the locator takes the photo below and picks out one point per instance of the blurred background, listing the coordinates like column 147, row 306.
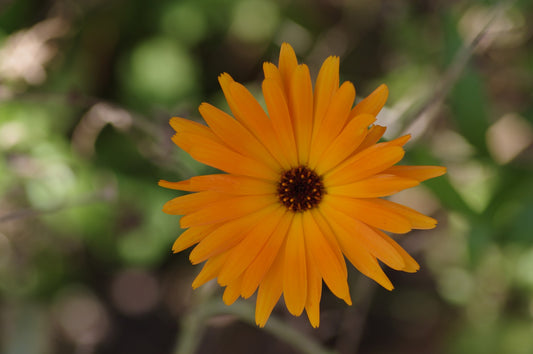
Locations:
column 86, row 91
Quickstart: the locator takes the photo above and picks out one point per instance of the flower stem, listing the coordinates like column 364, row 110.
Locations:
column 193, row 326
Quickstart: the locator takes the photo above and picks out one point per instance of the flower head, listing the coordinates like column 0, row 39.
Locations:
column 302, row 190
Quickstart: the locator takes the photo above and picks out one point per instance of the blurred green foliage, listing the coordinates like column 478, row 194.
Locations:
column 86, row 91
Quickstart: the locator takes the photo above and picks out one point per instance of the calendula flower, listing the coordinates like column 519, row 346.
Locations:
column 302, row 190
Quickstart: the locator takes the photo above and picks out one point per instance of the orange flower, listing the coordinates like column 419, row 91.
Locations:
column 302, row 189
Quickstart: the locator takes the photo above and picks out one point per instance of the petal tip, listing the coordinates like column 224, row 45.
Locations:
column 441, row 170
column 286, row 47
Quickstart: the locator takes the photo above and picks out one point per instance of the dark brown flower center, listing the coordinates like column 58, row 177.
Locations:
column 300, row 189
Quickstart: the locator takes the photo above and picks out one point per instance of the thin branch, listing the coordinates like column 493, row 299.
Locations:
column 453, row 73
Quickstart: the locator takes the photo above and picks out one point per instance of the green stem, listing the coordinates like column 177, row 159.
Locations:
column 193, row 326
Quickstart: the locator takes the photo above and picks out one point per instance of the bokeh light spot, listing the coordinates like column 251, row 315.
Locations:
column 255, row 20
column 160, row 71
column 184, row 21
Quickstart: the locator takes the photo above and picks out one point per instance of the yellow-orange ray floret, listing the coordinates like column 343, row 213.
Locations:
column 370, row 213
column 219, row 156
column 190, row 203
column 227, row 209
column 295, row 272
column 372, row 137
column 256, row 120
column 330, row 267
column 333, row 121
column 278, row 110
column 188, row 134
column 327, row 84
column 210, row 270
column 254, row 274
column 331, row 238
column 301, row 109
column 416, row 219
column 373, row 103
column 271, row 72
column 232, row 291
column 287, row 65
column 180, row 186
column 231, row 184
column 353, row 248
column 235, row 135
column 410, row 265
column 365, row 164
column 401, row 141
column 380, row 185
column 247, row 250
column 373, row 243
column 419, row 173
column 270, row 289
column 314, row 292
column 192, row 236
column 344, row 144
column 226, row 236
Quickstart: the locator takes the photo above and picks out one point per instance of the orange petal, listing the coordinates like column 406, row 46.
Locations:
column 373, row 103
column 190, row 203
column 250, row 113
column 287, row 64
column 225, row 80
column 295, row 269
column 191, row 237
column 229, row 161
column 281, row 120
column 410, row 265
column 301, row 108
column 378, row 247
column 370, row 212
column 227, row 209
column 330, row 237
column 255, row 273
column 189, row 138
column 190, row 134
column 354, row 250
column 314, row 292
column 270, row 290
column 247, row 250
column 324, row 258
column 372, row 137
column 232, row 291
column 231, row 184
column 182, row 125
column 226, row 236
column 181, row 185
column 376, row 186
column 365, row 164
column 327, row 83
column 210, row 269
column 420, row 173
column 272, row 73
column 234, row 135
column 416, row 219
column 343, row 145
column 333, row 121
column 401, row 141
